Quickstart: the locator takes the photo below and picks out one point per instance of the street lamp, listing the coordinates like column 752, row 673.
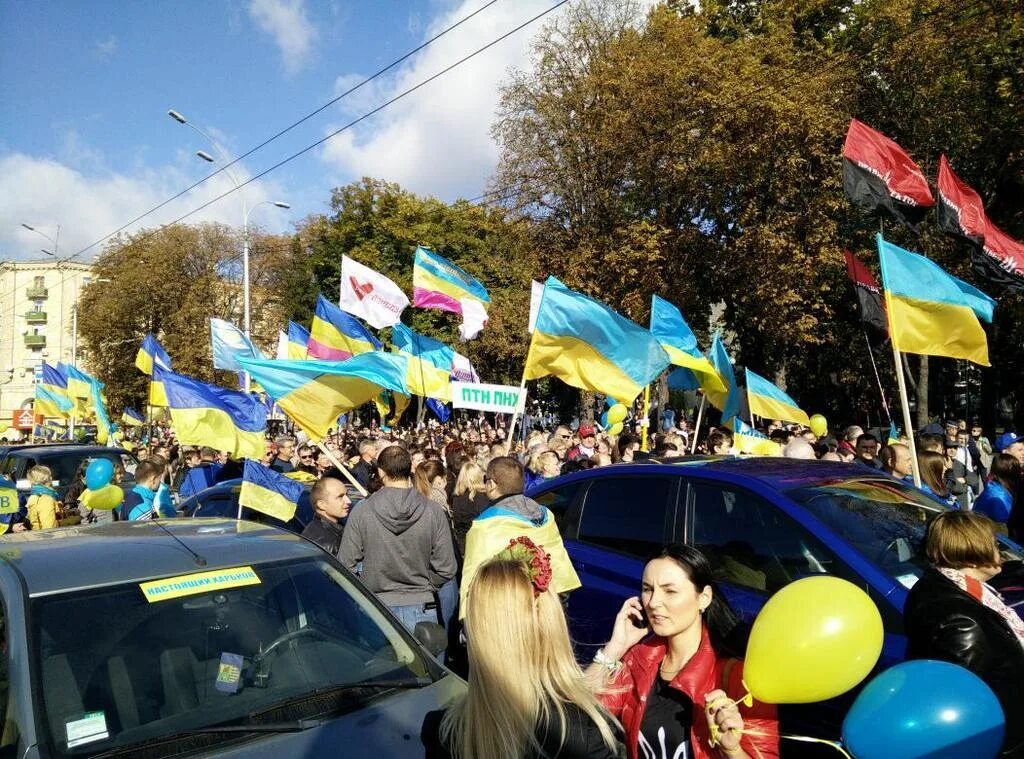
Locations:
column 246, row 319
column 43, row 234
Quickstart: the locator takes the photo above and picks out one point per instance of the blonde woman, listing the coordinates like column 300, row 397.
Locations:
column 527, row 696
column 44, row 511
column 469, row 498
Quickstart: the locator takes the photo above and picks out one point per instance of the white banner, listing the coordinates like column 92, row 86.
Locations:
column 370, row 295
column 503, row 399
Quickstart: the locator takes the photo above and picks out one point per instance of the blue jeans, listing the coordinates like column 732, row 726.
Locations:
column 449, row 597
column 410, row 615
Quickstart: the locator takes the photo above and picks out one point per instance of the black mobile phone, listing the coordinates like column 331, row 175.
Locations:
column 641, row 623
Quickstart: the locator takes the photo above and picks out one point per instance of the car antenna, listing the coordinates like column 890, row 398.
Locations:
column 200, row 561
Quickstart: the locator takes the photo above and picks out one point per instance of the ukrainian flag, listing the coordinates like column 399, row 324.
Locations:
column 104, row 429
column 679, row 342
column 769, row 402
column 56, row 383
column 79, row 383
column 337, row 336
column 203, row 414
column 229, row 344
column 746, row 439
column 266, row 491
column 132, row 418
column 298, row 342
column 430, row 363
column 929, row 311
column 149, row 353
column 587, row 345
column 438, row 283
column 727, row 402
column 315, row 393
column 50, row 404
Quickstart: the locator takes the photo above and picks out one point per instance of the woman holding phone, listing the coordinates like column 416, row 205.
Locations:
column 669, row 675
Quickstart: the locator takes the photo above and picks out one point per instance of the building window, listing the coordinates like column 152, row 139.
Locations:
column 39, row 282
column 38, row 304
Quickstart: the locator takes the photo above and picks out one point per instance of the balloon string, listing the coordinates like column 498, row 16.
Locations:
column 805, row 739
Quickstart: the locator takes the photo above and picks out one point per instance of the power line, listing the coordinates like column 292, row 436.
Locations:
column 290, row 127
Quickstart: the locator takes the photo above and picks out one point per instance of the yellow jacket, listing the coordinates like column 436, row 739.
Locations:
column 42, row 512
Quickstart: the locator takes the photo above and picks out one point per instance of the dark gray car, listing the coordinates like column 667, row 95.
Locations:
column 192, row 637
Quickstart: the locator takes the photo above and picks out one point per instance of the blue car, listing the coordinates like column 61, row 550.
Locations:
column 221, row 500
column 763, row 523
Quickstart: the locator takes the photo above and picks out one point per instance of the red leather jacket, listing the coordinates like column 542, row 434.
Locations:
column 626, row 697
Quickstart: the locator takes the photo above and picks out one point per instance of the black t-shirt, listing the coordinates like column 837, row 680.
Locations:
column 665, row 730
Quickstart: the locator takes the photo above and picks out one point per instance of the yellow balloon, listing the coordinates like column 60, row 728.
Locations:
column 615, row 429
column 107, row 498
column 814, row 639
column 616, row 413
column 819, row 425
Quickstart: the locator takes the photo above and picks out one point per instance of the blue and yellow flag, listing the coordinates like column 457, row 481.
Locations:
column 438, row 283
column 587, row 345
column 671, row 330
column 104, row 428
column 266, row 491
column 727, row 402
column 132, row 418
column 203, row 414
column 315, row 393
column 337, row 336
column 929, row 311
column 49, row 404
column 430, row 363
column 746, row 439
column 151, row 352
column 298, row 342
column 229, row 344
column 769, row 402
column 79, row 383
column 56, row 383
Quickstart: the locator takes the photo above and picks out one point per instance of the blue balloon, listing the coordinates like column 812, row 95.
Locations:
column 604, row 420
column 925, row 708
column 98, row 474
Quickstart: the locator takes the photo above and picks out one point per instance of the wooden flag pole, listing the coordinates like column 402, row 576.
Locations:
column 342, row 468
column 645, row 422
column 901, row 379
column 515, row 416
column 696, row 426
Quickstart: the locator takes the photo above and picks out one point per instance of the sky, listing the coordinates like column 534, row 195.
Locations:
column 86, row 142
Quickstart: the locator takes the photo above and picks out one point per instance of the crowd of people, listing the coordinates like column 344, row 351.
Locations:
column 449, row 535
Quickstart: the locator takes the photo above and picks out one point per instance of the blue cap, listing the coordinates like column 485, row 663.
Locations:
column 1007, row 439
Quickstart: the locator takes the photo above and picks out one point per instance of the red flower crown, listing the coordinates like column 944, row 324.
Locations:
column 536, row 559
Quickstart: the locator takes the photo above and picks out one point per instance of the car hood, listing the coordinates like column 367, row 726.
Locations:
column 387, row 727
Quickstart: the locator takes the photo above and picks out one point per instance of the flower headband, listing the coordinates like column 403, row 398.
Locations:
column 536, row 559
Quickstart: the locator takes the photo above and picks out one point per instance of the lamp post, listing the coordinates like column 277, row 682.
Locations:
column 55, row 240
column 246, row 315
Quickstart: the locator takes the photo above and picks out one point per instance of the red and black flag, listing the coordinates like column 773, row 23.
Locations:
column 996, row 256
column 879, row 176
column 869, row 296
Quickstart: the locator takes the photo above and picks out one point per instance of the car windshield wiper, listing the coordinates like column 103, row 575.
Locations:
column 295, row 726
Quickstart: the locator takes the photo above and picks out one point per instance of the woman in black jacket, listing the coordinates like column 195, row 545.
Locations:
column 953, row 615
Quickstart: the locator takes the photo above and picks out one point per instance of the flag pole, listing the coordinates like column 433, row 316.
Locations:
column 645, row 423
column 696, row 426
column 878, row 379
column 901, row 379
column 515, row 416
column 342, row 468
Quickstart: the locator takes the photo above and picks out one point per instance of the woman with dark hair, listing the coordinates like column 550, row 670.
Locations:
column 996, row 500
column 677, row 691
column 933, row 467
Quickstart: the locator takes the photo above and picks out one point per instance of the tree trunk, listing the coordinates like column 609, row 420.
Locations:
column 587, row 400
column 922, row 393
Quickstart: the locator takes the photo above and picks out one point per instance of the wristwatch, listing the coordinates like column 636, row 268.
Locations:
column 611, row 665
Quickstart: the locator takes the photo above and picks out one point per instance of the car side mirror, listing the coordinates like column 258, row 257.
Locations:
column 431, row 636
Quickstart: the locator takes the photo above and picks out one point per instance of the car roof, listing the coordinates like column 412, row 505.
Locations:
column 774, row 472
column 71, row 558
column 35, row 450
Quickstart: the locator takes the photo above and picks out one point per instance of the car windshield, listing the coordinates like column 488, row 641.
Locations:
column 884, row 520
column 123, row 664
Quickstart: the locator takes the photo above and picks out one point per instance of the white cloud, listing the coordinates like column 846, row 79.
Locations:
column 437, row 140
column 44, row 192
column 107, row 47
column 287, row 22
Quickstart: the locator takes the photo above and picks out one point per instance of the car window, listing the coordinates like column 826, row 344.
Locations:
column 752, row 543
column 558, row 500
column 9, row 468
column 884, row 520
column 246, row 644
column 627, row 514
column 217, row 505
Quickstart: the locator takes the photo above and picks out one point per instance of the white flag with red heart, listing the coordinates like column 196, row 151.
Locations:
column 370, row 295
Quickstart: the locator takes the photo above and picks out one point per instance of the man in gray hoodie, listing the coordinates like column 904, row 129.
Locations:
column 403, row 541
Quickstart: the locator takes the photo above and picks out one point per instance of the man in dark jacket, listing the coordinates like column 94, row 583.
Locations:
column 403, row 541
column 365, row 470
column 331, row 505
column 201, row 477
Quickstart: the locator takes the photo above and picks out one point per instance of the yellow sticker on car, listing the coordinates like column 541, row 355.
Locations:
column 200, row 582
